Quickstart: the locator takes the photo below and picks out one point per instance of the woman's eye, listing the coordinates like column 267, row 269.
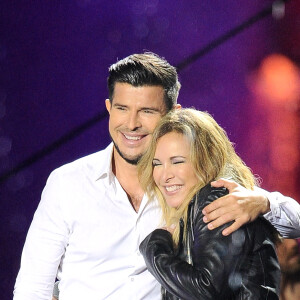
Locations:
column 156, row 163
column 178, row 162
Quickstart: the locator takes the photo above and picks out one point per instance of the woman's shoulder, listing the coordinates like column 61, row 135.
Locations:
column 209, row 193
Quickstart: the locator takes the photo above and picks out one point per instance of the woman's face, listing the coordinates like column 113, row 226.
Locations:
column 173, row 172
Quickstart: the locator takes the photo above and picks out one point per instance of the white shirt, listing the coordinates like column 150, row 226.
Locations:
column 87, row 234
column 284, row 214
column 86, row 228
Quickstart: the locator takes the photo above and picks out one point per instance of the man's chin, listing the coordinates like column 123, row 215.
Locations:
column 133, row 160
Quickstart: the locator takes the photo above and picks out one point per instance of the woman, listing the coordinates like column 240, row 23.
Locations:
column 188, row 151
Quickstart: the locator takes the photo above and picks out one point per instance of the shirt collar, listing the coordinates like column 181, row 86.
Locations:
column 102, row 165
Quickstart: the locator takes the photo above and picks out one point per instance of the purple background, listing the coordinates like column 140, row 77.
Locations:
column 54, row 59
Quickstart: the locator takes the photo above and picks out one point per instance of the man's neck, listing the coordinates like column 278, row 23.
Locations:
column 127, row 176
column 121, row 167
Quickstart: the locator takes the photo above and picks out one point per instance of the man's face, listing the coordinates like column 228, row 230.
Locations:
column 134, row 114
column 289, row 255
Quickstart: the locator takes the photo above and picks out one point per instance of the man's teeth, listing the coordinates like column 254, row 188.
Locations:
column 173, row 188
column 134, row 138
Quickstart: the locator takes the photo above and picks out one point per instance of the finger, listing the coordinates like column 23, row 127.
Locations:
column 229, row 184
column 224, row 219
column 164, row 228
column 217, row 213
column 232, row 228
column 220, row 202
column 171, row 228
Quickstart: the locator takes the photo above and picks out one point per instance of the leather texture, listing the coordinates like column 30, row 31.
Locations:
column 208, row 265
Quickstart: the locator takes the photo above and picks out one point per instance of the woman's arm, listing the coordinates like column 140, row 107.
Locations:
column 242, row 263
column 215, row 258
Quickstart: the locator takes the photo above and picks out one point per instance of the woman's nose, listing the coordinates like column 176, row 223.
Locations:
column 167, row 174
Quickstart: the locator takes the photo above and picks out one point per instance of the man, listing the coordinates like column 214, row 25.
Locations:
column 290, row 287
column 93, row 213
column 288, row 252
column 289, row 259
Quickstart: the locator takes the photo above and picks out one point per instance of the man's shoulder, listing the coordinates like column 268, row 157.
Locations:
column 91, row 164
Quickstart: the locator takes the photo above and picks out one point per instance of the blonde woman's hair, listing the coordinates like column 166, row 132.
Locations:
column 211, row 154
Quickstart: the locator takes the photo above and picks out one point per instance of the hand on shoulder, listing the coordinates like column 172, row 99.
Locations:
column 240, row 205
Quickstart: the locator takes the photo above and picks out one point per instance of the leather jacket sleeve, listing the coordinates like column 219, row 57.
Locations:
column 217, row 259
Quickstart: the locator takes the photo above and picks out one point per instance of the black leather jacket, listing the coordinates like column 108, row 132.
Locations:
column 208, row 265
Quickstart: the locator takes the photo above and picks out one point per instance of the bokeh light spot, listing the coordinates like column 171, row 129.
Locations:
column 278, row 79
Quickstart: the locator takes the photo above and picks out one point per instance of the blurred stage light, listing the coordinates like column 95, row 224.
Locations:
column 278, row 79
column 275, row 124
column 278, row 9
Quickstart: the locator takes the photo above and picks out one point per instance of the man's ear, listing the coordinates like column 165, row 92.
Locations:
column 177, row 106
column 108, row 105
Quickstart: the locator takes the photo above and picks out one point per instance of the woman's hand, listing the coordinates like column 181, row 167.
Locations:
column 170, row 228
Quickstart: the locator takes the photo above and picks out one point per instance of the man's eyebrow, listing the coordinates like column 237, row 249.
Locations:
column 150, row 108
column 118, row 104
column 156, row 109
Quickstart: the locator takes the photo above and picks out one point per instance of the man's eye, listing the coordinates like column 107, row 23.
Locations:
column 148, row 111
column 120, row 108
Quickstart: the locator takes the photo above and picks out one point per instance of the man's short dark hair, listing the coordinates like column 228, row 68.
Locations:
column 289, row 278
column 145, row 69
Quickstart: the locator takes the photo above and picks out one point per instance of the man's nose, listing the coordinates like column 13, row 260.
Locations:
column 133, row 121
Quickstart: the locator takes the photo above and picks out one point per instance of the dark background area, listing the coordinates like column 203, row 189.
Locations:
column 54, row 58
